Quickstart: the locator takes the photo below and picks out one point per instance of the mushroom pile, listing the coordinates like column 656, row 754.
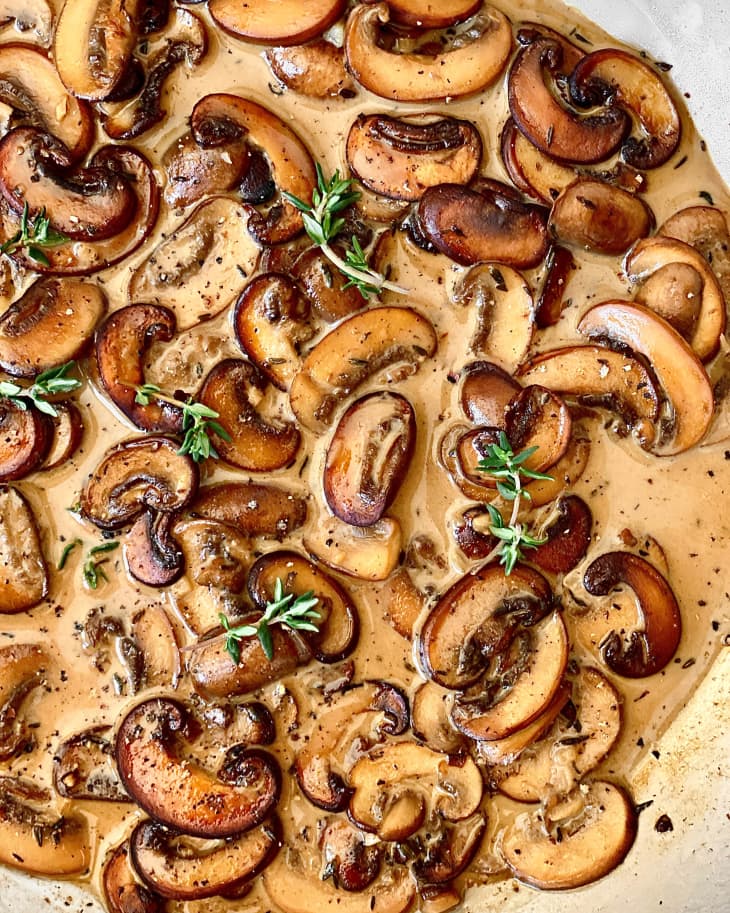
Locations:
column 313, row 373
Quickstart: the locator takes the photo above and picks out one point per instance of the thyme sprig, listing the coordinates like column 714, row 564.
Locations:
column 509, row 470
column 34, row 236
column 50, row 383
column 68, row 548
column 323, row 224
column 93, row 571
column 198, row 422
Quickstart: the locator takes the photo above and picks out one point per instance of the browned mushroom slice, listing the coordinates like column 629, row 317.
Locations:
column 325, row 287
column 580, row 738
column 505, row 313
column 32, row 840
column 474, row 619
column 315, row 766
column 597, row 376
column 593, row 840
column 194, row 172
column 355, row 350
column 471, row 226
column 338, row 622
column 704, row 228
column 150, row 551
column 530, row 170
column 255, row 509
column 394, row 786
column 539, row 418
column 84, row 204
column 402, row 602
column 476, row 543
column 471, row 448
column 218, row 118
column 316, row 69
column 93, row 43
column 24, row 575
column 650, row 255
column 680, row 372
column 232, row 389
column 368, row 457
column 36, row 17
column 368, row 553
column 401, row 158
column 186, row 44
column 595, row 216
column 81, row 257
column 22, row 670
column 351, row 863
column 25, row 439
column 486, row 391
column 568, row 537
column 480, row 49
column 619, row 78
column 121, row 342
column 184, row 868
column 48, row 325
column 270, row 322
column 155, row 639
column 30, row 85
column 278, row 22
column 122, row 891
column 83, row 768
column 551, row 301
column 179, row 793
column 431, row 721
column 564, row 474
column 426, row 14
column 139, row 474
column 199, row 268
column 548, row 124
column 674, row 291
column 528, row 674
column 452, row 849
column 646, row 651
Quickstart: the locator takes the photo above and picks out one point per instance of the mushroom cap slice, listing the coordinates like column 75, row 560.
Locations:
column 414, row 77
column 22, row 670
column 36, row 16
column 430, row 14
column 193, row 171
column 680, row 372
column 25, row 440
column 705, row 228
column 367, row 552
column 486, row 392
column 251, row 507
column 355, row 350
column 181, row 794
column 316, row 69
column 592, row 843
column 24, row 575
column 122, row 892
column 568, row 537
column 276, row 22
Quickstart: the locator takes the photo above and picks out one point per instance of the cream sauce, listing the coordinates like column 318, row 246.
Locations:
column 675, row 500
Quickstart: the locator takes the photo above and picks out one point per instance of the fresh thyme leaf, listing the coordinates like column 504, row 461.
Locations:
column 34, row 236
column 514, row 539
column 286, row 609
column 198, row 422
column 52, row 382
column 328, row 199
column 69, row 547
column 92, row 571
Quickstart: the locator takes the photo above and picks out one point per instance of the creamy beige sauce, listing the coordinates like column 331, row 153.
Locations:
column 675, row 500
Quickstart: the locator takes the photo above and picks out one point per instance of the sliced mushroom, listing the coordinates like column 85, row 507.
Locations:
column 597, row 376
column 338, row 623
column 30, row 85
column 427, row 14
column 548, row 124
column 22, row 670
column 680, row 372
column 217, row 118
column 401, row 158
column 121, row 343
column 476, row 543
column 23, row 571
column 449, row 851
column 490, row 224
column 473, row 62
column 36, row 17
column 270, row 322
column 355, row 350
column 395, row 784
column 648, row 256
column 579, row 739
column 122, row 891
column 253, row 508
column 199, row 268
column 595, row 216
column 618, row 78
column 539, row 418
column 368, row 457
column 184, row 868
column 154, row 637
column 350, row 862
column 326, row 287
column 152, row 555
column 316, row 69
column 274, row 21
column 674, row 291
column 194, row 171
column 368, row 553
column 591, row 843
column 648, row 650
column 25, row 440
column 564, row 474
column 530, row 170
column 33, row 840
column 186, row 44
column 143, row 473
column 551, row 301
column 83, row 768
column 402, row 602
column 568, row 537
column 486, row 392
column 431, row 721
column 704, row 228
column 181, row 794
column 231, row 390
column 474, row 619
column 316, row 763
